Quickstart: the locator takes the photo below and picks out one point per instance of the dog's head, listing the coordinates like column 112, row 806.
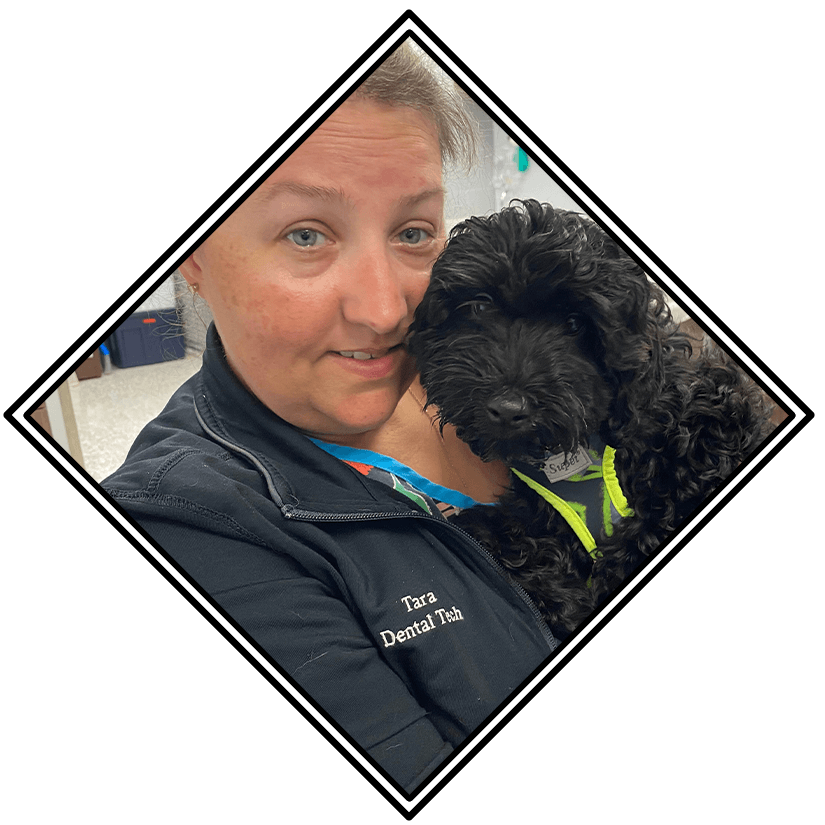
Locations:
column 533, row 320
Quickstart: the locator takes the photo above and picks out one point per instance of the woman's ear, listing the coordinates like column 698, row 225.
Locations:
column 192, row 273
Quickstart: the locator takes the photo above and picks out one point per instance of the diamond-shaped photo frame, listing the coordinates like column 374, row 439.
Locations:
column 521, row 163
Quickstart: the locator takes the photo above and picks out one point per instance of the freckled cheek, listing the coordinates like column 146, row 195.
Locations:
column 280, row 321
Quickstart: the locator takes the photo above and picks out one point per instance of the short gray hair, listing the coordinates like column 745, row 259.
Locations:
column 408, row 77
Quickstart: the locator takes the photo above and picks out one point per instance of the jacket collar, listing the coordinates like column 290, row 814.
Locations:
column 303, row 480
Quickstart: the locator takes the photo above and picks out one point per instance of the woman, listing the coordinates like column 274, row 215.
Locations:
column 298, row 480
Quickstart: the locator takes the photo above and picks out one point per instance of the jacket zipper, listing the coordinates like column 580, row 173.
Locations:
column 290, row 512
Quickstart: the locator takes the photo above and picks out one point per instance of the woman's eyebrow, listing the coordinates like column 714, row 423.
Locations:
column 330, row 193
column 268, row 193
column 413, row 200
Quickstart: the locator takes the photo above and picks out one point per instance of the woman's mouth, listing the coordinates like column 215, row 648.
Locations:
column 361, row 356
column 368, row 354
column 370, row 363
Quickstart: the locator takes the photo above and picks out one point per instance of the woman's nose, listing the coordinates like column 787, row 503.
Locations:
column 374, row 292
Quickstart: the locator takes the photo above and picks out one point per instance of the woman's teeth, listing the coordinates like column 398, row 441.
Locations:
column 358, row 356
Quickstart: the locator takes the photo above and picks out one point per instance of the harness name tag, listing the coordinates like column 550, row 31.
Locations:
column 560, row 466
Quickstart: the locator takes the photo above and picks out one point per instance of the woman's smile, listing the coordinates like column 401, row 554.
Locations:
column 371, row 364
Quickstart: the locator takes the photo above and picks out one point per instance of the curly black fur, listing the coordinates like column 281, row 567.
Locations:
column 538, row 332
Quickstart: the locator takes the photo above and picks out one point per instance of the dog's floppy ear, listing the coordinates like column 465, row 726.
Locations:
column 634, row 327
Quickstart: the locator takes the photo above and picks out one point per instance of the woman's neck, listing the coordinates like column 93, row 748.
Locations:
column 413, row 437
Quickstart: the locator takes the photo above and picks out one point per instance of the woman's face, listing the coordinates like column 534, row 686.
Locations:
column 314, row 279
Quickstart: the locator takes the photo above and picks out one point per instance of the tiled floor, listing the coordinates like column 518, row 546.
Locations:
column 111, row 410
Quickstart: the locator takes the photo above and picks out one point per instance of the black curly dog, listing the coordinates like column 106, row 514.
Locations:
column 539, row 333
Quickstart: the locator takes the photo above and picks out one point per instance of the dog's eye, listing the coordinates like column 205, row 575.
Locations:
column 478, row 305
column 573, row 324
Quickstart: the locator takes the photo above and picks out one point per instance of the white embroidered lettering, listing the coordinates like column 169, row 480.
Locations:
column 453, row 615
column 417, row 602
column 424, row 625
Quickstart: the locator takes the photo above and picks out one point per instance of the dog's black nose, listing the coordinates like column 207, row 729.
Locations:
column 509, row 411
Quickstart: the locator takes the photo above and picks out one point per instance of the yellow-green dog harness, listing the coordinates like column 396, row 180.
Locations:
column 579, row 515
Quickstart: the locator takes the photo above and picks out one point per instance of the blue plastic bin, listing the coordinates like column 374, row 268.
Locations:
column 147, row 338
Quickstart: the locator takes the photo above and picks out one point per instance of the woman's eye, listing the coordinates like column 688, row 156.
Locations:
column 307, row 237
column 413, row 236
